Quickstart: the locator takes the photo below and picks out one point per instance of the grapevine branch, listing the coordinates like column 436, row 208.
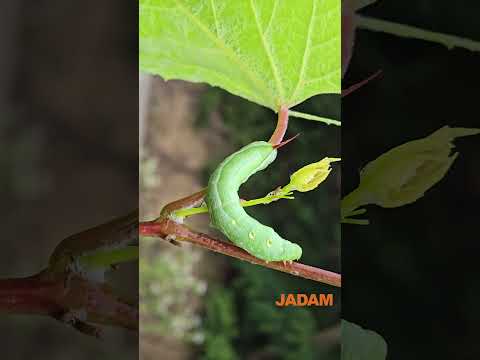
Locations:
column 167, row 228
column 71, row 299
column 65, row 291
column 170, row 230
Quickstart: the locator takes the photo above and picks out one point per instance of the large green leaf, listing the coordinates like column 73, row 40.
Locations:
column 272, row 52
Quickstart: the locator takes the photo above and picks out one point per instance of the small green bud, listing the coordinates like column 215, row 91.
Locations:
column 310, row 176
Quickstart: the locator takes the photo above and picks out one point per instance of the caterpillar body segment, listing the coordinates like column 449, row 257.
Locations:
column 228, row 215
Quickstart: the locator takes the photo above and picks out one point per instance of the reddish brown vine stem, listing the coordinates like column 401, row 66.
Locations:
column 71, row 296
column 357, row 86
column 68, row 298
column 188, row 201
column 168, row 228
column 282, row 125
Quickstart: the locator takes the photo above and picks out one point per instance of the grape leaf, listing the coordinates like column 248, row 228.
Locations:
column 361, row 344
column 271, row 52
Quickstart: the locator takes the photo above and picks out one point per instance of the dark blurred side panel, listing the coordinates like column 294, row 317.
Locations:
column 69, row 154
column 412, row 274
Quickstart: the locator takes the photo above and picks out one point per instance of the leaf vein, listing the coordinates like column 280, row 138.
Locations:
column 306, row 53
column 321, row 78
column 325, row 43
column 272, row 15
column 269, row 55
column 212, row 4
column 228, row 51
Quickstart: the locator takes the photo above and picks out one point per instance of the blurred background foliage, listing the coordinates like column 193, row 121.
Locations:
column 397, row 270
column 264, row 330
column 238, row 318
column 68, row 78
column 411, row 274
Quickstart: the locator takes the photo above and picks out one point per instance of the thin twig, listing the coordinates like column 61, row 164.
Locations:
column 385, row 26
column 186, row 202
column 168, row 228
column 357, row 86
column 62, row 296
column 66, row 291
column 315, row 118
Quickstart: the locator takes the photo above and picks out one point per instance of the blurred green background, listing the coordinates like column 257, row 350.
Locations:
column 412, row 274
column 229, row 312
column 69, row 144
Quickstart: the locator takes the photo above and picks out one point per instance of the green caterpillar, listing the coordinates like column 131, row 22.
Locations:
column 228, row 215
